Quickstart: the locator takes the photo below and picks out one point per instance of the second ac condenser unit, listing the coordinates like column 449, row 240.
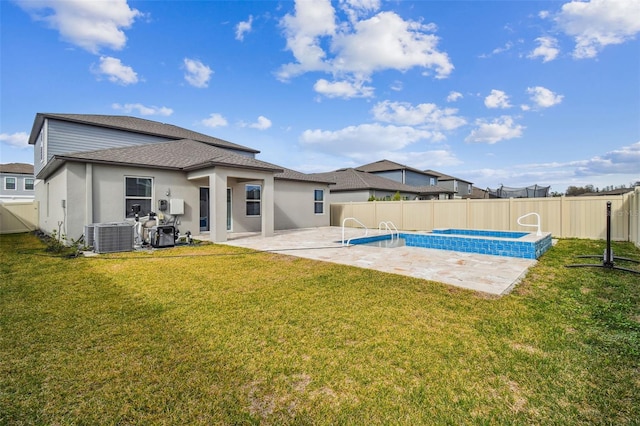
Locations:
column 89, row 234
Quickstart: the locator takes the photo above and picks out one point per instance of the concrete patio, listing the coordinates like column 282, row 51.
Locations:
column 495, row 275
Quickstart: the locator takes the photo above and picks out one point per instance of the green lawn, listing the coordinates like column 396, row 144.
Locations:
column 221, row 335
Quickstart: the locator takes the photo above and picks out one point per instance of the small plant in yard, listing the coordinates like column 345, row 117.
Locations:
column 60, row 244
column 213, row 334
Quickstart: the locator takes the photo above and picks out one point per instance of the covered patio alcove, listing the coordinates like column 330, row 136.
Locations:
column 238, row 200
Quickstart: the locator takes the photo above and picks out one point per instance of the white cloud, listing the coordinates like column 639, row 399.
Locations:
column 18, row 139
column 397, row 86
column 543, row 97
column 263, row 123
column 599, row 23
column 620, row 161
column 419, row 159
column 386, row 41
column 547, row 49
column 354, row 50
column 499, row 129
column 197, row 74
column 369, row 138
column 142, row 109
column 243, row 27
column 358, row 8
column 454, row 96
column 423, row 159
column 116, row 71
column 303, row 31
column 343, row 89
column 90, row 25
column 497, row 99
column 617, row 167
column 215, row 120
column 498, row 50
column 428, row 116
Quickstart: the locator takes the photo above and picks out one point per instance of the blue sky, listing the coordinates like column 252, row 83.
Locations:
column 495, row 92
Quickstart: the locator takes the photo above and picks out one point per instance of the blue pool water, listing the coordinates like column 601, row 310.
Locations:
column 497, row 243
column 480, row 233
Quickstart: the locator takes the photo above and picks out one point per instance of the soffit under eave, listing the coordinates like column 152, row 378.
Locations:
column 231, row 172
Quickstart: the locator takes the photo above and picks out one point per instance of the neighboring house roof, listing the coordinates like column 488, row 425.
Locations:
column 184, row 155
column 136, row 125
column 353, row 180
column 477, row 193
column 618, row 191
column 17, row 168
column 386, row 165
column 442, row 176
column 288, row 174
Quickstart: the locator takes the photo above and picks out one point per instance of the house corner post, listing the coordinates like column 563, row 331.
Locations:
column 88, row 209
column 218, row 207
column 268, row 207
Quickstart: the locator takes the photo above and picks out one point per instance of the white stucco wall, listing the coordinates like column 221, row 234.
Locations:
column 50, row 193
column 294, row 205
column 109, row 194
column 95, row 193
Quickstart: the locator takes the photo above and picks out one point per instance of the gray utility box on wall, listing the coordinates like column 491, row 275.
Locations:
column 112, row 237
column 162, row 236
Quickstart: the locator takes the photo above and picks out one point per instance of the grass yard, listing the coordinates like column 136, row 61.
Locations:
column 221, row 335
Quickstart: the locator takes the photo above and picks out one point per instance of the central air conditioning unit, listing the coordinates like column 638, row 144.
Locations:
column 112, row 237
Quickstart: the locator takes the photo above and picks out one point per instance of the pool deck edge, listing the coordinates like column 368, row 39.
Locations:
column 496, row 275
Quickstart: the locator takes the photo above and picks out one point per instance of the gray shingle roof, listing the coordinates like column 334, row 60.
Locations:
column 352, row 179
column 137, row 125
column 183, row 155
column 442, row 176
column 288, row 174
column 386, row 165
column 17, row 168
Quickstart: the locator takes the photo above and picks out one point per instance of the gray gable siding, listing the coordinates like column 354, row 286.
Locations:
column 410, row 178
column 64, row 138
column 417, row 179
column 395, row 175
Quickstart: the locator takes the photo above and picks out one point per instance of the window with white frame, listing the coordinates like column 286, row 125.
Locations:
column 41, row 143
column 318, row 201
column 253, row 194
column 28, row 184
column 10, row 183
column 138, row 190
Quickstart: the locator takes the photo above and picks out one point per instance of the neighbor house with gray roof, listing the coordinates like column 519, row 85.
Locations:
column 356, row 185
column 461, row 187
column 102, row 168
column 17, row 181
column 413, row 183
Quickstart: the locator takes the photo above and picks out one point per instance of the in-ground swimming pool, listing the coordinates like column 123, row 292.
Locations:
column 498, row 243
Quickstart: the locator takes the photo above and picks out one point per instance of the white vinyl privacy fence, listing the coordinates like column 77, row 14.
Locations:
column 18, row 216
column 564, row 217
